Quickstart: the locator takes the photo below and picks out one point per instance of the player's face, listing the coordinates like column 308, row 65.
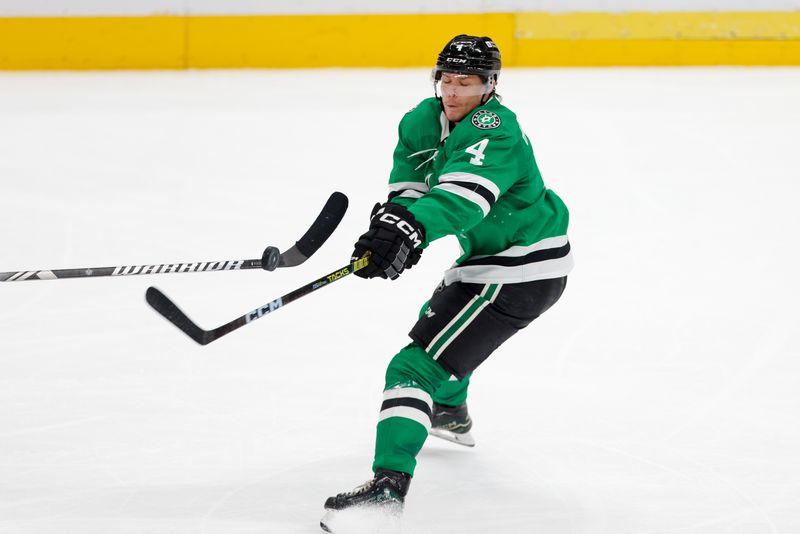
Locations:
column 460, row 94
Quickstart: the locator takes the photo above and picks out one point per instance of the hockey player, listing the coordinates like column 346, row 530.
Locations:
column 462, row 167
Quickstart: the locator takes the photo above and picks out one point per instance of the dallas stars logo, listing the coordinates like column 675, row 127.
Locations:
column 485, row 120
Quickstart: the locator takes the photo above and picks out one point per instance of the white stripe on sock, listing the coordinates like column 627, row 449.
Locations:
column 407, row 412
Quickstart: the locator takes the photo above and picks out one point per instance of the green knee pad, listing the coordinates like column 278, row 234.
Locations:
column 413, row 366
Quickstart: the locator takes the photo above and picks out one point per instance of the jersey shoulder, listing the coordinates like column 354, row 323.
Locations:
column 421, row 128
column 426, row 116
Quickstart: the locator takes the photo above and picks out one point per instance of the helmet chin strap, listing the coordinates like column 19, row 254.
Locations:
column 492, row 85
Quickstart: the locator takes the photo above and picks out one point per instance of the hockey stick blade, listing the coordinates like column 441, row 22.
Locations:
column 164, row 306
column 159, row 302
column 319, row 232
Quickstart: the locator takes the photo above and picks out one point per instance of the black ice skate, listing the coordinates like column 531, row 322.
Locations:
column 385, row 494
column 452, row 423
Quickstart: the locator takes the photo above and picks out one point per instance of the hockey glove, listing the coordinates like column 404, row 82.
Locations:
column 393, row 242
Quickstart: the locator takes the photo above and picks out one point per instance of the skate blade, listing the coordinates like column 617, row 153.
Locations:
column 327, row 520
column 323, row 523
column 362, row 520
column 465, row 439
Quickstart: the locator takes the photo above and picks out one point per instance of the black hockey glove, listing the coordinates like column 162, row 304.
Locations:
column 393, row 242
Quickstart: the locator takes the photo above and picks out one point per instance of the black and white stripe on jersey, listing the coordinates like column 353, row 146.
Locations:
column 549, row 258
column 409, row 403
column 477, row 188
column 472, row 187
column 531, row 257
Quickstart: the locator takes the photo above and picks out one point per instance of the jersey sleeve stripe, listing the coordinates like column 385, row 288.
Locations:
column 482, row 191
column 467, row 194
column 468, row 177
column 410, row 193
column 414, row 186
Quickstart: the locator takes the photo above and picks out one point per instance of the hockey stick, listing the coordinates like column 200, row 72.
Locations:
column 322, row 228
column 163, row 305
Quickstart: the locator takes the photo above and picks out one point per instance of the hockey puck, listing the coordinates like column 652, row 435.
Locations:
column 270, row 258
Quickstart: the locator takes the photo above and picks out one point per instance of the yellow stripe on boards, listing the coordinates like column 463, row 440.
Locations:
column 93, row 43
column 679, row 25
column 561, row 53
column 302, row 41
column 658, row 39
column 297, row 41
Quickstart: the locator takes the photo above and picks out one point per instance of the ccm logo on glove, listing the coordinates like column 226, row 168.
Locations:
column 393, row 242
column 410, row 231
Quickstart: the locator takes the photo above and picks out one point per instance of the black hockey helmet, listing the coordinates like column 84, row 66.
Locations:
column 469, row 54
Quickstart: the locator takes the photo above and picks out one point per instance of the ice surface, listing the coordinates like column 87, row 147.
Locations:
column 660, row 396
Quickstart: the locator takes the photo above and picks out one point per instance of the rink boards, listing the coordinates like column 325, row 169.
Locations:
column 527, row 39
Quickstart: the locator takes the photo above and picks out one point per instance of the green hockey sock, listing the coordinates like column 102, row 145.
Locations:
column 405, row 413
column 452, row 392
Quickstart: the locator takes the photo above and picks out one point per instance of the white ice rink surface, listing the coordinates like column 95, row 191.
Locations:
column 660, row 396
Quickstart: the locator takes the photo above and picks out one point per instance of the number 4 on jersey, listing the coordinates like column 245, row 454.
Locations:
column 477, row 151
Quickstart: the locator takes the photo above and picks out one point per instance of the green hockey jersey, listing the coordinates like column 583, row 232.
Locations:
column 479, row 181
